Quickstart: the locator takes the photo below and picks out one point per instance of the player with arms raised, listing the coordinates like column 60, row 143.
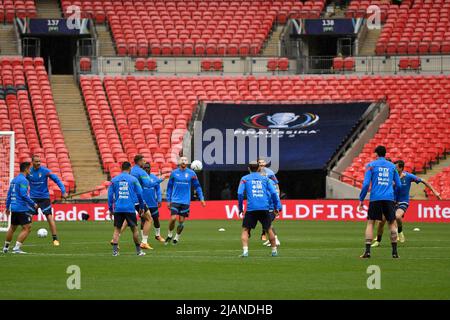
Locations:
column 179, row 197
column 38, row 178
column 21, row 208
column 381, row 175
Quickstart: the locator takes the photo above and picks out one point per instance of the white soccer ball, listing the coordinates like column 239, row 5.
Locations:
column 196, row 165
column 42, row 233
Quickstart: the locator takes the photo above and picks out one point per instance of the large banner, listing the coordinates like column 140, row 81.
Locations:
column 306, row 135
column 321, row 210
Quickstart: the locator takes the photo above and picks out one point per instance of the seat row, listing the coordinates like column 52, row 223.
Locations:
column 152, row 113
column 29, row 110
column 441, row 182
column 183, row 27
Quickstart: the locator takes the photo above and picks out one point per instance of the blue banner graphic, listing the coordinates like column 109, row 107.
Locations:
column 325, row 26
column 55, row 26
column 308, row 135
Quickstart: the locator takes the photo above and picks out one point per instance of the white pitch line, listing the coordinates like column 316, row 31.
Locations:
column 128, row 254
column 68, row 243
column 252, row 250
column 254, row 247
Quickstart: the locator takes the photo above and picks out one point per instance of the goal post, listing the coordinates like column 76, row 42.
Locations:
column 7, row 144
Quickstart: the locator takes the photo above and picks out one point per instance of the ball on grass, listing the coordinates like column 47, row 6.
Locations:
column 42, row 233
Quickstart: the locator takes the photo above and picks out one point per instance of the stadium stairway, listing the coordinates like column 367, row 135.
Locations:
column 48, row 9
column 106, row 48
column 370, row 42
column 271, row 47
column 8, row 40
column 418, row 190
column 77, row 135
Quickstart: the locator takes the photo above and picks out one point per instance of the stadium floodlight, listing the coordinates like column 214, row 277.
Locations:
column 6, row 173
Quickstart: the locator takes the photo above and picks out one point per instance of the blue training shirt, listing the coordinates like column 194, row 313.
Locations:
column 259, row 190
column 39, row 182
column 122, row 192
column 17, row 199
column 271, row 203
column 144, row 179
column 179, row 186
column 269, row 174
column 152, row 195
column 381, row 174
column 402, row 190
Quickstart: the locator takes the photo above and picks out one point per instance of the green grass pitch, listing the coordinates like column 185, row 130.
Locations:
column 318, row 260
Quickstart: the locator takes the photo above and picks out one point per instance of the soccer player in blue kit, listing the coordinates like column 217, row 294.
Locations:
column 153, row 199
column 38, row 178
column 179, row 197
column 147, row 183
column 402, row 200
column 143, row 177
column 271, row 175
column 21, row 208
column 260, row 192
column 122, row 193
column 381, row 175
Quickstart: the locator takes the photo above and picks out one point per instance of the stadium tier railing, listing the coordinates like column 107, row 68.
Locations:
column 395, row 64
column 376, row 65
column 184, row 65
column 260, row 65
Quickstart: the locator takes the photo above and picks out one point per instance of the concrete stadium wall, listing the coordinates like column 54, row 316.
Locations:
column 336, row 189
column 191, row 66
column 357, row 147
column 390, row 64
column 188, row 66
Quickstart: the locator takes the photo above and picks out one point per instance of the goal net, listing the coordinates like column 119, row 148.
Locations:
column 6, row 174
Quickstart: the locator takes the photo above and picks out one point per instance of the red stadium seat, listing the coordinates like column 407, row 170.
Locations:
column 139, row 64
column 349, row 64
column 85, row 64
column 272, row 65
column 403, row 63
column 200, row 21
column 283, row 64
column 417, row 27
column 27, row 116
column 217, row 64
column 206, row 65
column 151, row 64
column 415, row 63
column 338, row 64
column 130, row 114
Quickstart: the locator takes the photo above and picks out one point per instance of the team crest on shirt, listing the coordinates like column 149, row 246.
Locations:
column 186, row 175
column 40, row 175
